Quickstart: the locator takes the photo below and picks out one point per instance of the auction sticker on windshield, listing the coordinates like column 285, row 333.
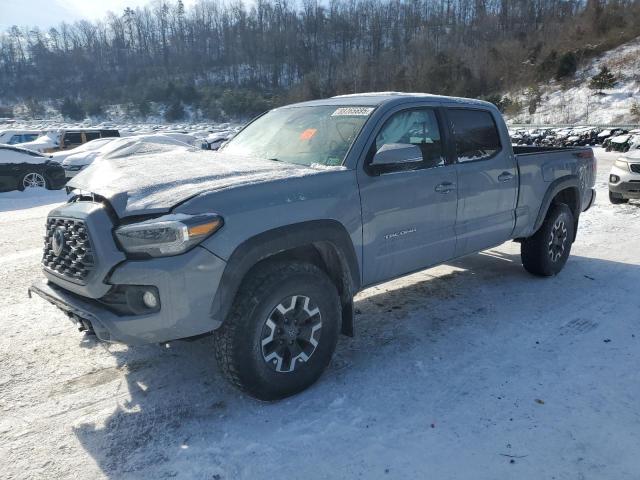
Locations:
column 352, row 111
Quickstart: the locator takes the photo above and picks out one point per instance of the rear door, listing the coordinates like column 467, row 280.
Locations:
column 408, row 211
column 487, row 180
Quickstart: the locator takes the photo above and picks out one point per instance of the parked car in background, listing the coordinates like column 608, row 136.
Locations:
column 67, row 139
column 92, row 145
column 619, row 143
column 13, row 137
column 21, row 169
column 615, row 134
column 624, row 178
column 123, row 147
column 45, row 142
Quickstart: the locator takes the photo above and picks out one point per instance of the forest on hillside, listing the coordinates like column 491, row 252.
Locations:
column 231, row 59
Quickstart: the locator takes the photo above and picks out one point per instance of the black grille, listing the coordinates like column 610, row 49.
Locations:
column 635, row 167
column 75, row 261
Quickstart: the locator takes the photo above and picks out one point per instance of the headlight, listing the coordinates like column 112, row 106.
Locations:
column 167, row 235
column 622, row 165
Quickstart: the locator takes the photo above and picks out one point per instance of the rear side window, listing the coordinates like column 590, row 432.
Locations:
column 475, row 134
column 91, row 135
column 22, row 137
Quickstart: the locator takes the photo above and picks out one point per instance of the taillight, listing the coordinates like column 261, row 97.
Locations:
column 585, row 154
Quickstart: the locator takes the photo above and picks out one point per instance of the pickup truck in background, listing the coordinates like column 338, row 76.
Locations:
column 265, row 242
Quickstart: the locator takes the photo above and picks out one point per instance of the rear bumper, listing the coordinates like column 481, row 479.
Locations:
column 186, row 285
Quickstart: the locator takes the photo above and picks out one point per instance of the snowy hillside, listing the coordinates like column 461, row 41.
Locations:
column 578, row 104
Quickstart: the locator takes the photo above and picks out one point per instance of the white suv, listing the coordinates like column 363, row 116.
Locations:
column 624, row 179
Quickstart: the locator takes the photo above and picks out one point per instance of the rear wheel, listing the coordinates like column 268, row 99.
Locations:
column 613, row 198
column 281, row 332
column 33, row 180
column 546, row 252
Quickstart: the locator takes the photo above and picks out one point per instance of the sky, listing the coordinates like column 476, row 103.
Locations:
column 48, row 13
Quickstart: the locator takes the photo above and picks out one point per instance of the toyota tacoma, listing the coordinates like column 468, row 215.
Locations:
column 265, row 242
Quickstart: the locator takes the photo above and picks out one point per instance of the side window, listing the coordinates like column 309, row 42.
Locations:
column 109, row 133
column 15, row 139
column 91, row 135
column 72, row 138
column 417, row 127
column 475, row 134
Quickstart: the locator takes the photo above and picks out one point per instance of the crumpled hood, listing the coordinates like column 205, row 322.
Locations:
column 148, row 184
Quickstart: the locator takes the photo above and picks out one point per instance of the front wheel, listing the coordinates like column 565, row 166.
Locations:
column 546, row 252
column 33, row 180
column 281, row 332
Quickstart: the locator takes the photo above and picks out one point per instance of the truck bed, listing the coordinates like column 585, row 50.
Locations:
column 541, row 167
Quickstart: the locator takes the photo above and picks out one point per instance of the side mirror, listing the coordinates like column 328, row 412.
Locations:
column 397, row 153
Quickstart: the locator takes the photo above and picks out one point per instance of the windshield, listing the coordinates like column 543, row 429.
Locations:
column 302, row 135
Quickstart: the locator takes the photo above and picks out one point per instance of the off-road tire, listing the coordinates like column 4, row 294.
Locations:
column 540, row 253
column 238, row 342
column 617, row 200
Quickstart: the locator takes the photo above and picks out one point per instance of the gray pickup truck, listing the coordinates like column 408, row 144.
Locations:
column 265, row 242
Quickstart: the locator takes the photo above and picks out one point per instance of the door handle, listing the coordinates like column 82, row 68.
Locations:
column 505, row 177
column 444, row 188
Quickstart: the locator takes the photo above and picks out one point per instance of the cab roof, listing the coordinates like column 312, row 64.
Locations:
column 375, row 99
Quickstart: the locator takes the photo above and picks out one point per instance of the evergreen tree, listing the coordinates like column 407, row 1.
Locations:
column 603, row 80
column 175, row 112
column 71, row 109
column 567, row 66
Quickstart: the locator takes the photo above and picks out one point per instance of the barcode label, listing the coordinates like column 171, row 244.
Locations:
column 352, row 112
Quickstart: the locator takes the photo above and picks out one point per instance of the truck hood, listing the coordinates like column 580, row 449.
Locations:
column 149, row 184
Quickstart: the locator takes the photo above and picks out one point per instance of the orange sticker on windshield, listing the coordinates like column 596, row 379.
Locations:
column 308, row 134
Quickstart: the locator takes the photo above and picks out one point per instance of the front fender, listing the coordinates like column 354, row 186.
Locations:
column 278, row 240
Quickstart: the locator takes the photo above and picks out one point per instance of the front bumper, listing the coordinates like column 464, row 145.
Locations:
column 72, row 172
column 626, row 189
column 628, row 185
column 186, row 283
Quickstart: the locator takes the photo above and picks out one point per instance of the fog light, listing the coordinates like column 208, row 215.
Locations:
column 150, row 300
column 614, row 178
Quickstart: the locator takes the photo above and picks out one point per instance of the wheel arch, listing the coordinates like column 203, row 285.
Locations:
column 563, row 190
column 324, row 243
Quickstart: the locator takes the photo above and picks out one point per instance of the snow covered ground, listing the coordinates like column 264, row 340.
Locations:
column 474, row 370
column 579, row 104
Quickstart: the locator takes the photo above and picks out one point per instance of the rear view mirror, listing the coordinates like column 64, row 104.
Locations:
column 397, row 153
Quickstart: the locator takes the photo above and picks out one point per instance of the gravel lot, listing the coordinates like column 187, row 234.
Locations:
column 471, row 370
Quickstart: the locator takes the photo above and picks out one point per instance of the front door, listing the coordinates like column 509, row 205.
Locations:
column 487, row 181
column 408, row 210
